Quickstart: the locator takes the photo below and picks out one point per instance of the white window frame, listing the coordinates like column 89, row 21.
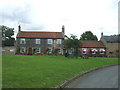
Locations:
column 50, row 50
column 38, row 51
column 22, row 50
column 59, row 41
column 84, row 52
column 22, row 41
column 59, row 51
column 37, row 41
column 102, row 51
column 70, row 51
column 94, row 52
column 50, row 41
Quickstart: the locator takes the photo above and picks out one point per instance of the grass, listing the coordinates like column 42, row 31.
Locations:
column 45, row 71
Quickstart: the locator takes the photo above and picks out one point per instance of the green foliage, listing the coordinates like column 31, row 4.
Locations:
column 7, row 34
column 73, row 43
column 20, row 71
column 8, row 42
column 88, row 35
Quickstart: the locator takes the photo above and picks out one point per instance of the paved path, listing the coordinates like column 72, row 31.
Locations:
column 102, row 78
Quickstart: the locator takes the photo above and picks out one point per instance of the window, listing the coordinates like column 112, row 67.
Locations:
column 49, row 41
column 37, row 41
column 59, row 51
column 70, row 51
column 84, row 50
column 22, row 41
column 102, row 51
column 50, row 50
column 22, row 50
column 37, row 50
column 58, row 41
column 94, row 51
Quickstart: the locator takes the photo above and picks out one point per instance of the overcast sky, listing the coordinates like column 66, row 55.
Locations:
column 78, row 16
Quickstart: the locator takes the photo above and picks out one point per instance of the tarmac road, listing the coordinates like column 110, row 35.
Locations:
column 102, row 78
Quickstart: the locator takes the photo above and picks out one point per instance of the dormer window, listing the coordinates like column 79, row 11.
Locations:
column 50, row 41
column 22, row 41
column 37, row 41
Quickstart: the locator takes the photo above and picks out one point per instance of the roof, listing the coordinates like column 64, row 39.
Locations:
column 92, row 44
column 114, row 38
column 28, row 34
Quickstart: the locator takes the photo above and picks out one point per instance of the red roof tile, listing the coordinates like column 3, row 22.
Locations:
column 92, row 44
column 27, row 34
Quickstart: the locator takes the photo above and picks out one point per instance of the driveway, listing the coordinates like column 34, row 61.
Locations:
column 102, row 78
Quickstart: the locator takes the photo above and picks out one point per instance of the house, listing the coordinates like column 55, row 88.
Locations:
column 28, row 42
column 92, row 48
column 112, row 44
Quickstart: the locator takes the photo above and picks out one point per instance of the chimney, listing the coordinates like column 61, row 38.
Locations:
column 19, row 28
column 101, row 34
column 63, row 29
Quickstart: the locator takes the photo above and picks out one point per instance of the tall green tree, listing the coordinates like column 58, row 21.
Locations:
column 88, row 35
column 7, row 33
column 72, row 43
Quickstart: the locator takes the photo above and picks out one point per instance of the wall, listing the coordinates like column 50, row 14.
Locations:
column 30, row 43
column 112, row 47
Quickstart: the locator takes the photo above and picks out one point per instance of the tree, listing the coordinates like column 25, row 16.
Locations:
column 88, row 35
column 7, row 33
column 72, row 43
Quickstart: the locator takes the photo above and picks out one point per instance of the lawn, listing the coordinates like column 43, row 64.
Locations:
column 20, row 71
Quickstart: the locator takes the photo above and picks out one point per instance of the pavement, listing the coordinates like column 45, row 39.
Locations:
column 102, row 78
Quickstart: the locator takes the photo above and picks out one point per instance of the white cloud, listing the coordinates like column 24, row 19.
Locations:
column 78, row 16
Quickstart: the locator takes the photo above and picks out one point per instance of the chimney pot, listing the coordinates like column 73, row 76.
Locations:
column 19, row 28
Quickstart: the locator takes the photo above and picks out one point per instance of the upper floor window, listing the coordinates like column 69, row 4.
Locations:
column 49, row 41
column 22, row 41
column 37, row 41
column 58, row 41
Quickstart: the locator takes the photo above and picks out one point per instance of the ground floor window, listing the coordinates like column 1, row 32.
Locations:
column 102, row 51
column 50, row 50
column 59, row 51
column 94, row 51
column 22, row 50
column 38, row 50
column 70, row 51
column 84, row 50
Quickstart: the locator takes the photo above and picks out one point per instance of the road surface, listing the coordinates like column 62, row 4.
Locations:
column 102, row 78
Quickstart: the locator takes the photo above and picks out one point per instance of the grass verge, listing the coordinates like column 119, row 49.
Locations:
column 21, row 71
